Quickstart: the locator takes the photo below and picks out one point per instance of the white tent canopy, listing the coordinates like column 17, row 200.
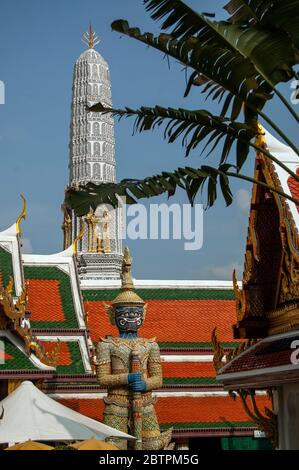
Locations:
column 30, row 414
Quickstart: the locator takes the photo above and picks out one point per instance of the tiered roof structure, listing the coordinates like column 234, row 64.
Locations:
column 267, row 303
column 52, row 309
column 60, row 310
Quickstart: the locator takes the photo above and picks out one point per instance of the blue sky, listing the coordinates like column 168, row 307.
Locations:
column 40, row 41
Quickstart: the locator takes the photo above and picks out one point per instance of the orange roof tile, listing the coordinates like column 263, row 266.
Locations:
column 294, row 187
column 45, row 301
column 93, row 408
column 164, row 320
column 180, row 409
column 64, row 357
column 188, row 369
column 202, row 409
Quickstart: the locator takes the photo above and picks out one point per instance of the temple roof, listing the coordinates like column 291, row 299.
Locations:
column 187, row 373
column 48, row 284
column 180, row 318
column 294, row 187
column 202, row 415
column 15, row 360
column 267, row 363
column 267, row 304
column 51, row 298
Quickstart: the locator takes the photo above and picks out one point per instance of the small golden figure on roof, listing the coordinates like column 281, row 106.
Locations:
column 103, row 234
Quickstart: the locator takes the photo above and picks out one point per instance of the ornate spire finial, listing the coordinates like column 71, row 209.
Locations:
column 21, row 216
column 126, row 275
column 90, row 38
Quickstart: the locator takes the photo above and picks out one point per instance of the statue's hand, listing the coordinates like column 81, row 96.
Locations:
column 134, row 377
column 139, row 386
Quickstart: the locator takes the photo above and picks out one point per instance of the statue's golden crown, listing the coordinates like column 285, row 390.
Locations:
column 127, row 295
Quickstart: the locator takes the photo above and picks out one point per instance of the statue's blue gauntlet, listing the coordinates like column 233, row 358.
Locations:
column 139, row 386
column 134, row 377
column 136, row 383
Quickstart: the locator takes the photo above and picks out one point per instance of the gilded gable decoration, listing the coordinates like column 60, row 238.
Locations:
column 67, row 228
column 14, row 318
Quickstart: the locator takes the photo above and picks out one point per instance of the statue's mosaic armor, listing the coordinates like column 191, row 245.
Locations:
column 113, row 359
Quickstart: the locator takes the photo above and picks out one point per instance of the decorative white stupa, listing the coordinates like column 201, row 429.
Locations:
column 92, row 159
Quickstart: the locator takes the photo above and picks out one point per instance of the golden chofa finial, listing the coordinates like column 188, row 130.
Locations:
column 90, row 38
column 21, row 216
column 260, row 139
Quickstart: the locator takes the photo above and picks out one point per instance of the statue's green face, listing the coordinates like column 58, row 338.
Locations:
column 128, row 318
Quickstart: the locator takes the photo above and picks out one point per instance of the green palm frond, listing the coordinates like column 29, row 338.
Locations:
column 224, row 73
column 244, row 11
column 182, row 20
column 237, row 62
column 271, row 50
column 271, row 53
column 192, row 127
column 283, row 15
column 189, row 179
column 274, row 14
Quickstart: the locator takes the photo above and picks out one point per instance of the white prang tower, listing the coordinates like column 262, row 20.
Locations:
column 92, row 160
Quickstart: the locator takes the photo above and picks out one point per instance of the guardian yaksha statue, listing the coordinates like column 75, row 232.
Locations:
column 130, row 368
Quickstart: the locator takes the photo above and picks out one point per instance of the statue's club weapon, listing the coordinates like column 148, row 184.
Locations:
column 136, row 403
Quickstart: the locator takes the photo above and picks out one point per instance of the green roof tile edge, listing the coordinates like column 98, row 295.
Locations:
column 209, row 425
column 76, row 367
column 19, row 360
column 194, row 345
column 6, row 266
column 23, row 362
column 189, row 380
column 162, row 294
